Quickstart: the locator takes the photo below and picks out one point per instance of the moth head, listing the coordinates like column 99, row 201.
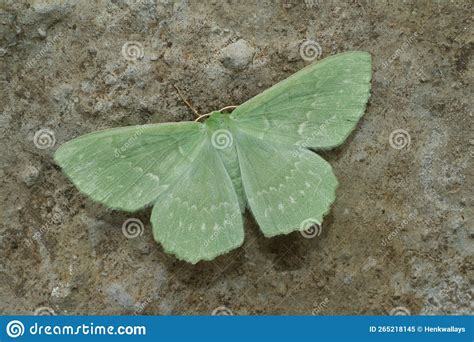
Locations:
column 217, row 119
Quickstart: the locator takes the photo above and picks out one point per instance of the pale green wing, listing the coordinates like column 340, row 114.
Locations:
column 316, row 107
column 199, row 217
column 127, row 168
column 287, row 188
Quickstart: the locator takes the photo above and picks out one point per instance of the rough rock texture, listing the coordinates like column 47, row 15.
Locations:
column 399, row 238
column 237, row 56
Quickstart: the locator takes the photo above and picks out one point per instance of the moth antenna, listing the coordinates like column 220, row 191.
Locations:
column 227, row 107
column 202, row 116
column 186, row 101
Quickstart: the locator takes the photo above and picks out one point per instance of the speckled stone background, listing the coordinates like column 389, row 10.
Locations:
column 400, row 237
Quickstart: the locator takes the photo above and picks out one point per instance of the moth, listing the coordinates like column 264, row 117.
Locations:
column 200, row 176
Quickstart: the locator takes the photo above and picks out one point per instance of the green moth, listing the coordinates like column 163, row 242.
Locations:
column 200, row 176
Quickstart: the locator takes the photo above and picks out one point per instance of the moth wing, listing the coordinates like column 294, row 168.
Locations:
column 199, row 217
column 317, row 107
column 287, row 188
column 127, row 168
